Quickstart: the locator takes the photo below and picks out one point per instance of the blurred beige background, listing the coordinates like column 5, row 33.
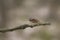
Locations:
column 14, row 13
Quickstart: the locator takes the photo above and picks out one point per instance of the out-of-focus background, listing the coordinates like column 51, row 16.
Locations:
column 14, row 13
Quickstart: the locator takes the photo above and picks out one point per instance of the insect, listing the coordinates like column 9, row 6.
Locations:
column 34, row 20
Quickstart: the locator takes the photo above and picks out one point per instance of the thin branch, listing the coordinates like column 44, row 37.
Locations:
column 22, row 27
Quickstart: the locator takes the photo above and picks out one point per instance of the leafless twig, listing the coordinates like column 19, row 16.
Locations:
column 22, row 27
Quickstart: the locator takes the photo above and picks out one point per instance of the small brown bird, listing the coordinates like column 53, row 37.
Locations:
column 34, row 20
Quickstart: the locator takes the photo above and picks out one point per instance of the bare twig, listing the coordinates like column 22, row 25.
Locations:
column 22, row 27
